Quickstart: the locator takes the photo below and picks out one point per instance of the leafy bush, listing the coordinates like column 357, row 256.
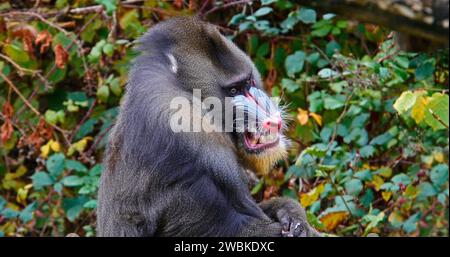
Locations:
column 369, row 131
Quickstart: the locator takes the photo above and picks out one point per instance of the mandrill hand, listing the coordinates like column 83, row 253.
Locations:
column 291, row 215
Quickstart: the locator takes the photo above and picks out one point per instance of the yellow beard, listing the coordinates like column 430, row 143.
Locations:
column 262, row 163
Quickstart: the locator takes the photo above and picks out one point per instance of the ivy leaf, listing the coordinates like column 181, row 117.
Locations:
column 294, row 63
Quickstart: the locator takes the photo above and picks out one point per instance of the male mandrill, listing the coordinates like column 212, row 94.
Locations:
column 161, row 182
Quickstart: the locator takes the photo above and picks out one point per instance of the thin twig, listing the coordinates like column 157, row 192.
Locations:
column 217, row 8
column 31, row 107
column 86, row 116
column 438, row 118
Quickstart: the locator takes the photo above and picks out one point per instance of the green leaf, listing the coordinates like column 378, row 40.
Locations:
column 289, row 85
column 322, row 31
column 262, row 11
column 41, row 179
column 406, row 100
column 9, row 213
column 110, row 5
column 328, row 16
column 267, row 2
column 72, row 181
column 364, row 175
column 307, row 16
column 353, row 186
column 426, row 190
column 263, row 50
column 289, row 22
column 401, row 178
column 332, row 47
column 74, row 206
column 439, row 175
column 86, row 128
column 257, row 187
column 381, row 139
column 333, row 103
column 437, row 111
column 294, row 63
column 326, row 73
column 26, row 214
column 313, row 58
column 51, row 117
column 425, row 70
column 410, row 225
column 16, row 53
column 75, row 165
column 91, row 204
column 55, row 164
column 103, row 93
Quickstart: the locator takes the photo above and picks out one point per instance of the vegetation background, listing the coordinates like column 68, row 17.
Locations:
column 369, row 120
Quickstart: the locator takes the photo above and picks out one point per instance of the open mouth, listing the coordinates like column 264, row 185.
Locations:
column 257, row 141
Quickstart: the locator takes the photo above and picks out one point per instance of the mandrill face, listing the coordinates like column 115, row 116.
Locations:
column 221, row 70
column 258, row 125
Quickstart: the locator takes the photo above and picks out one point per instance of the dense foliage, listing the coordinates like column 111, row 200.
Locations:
column 369, row 123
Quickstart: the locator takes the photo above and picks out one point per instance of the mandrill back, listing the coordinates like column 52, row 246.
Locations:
column 157, row 182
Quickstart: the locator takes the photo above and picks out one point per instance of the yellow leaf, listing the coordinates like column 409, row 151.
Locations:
column 418, row 110
column 78, row 146
column 317, row 118
column 309, row 198
column 377, row 181
column 331, row 220
column 395, row 218
column 22, row 194
column 45, row 150
column 385, row 172
column 411, row 191
column 302, row 116
column 55, row 146
column 439, row 157
column 386, row 195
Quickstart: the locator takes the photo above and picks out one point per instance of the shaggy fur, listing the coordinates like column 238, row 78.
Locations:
column 160, row 183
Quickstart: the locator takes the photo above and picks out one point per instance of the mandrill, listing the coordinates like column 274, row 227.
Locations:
column 160, row 181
